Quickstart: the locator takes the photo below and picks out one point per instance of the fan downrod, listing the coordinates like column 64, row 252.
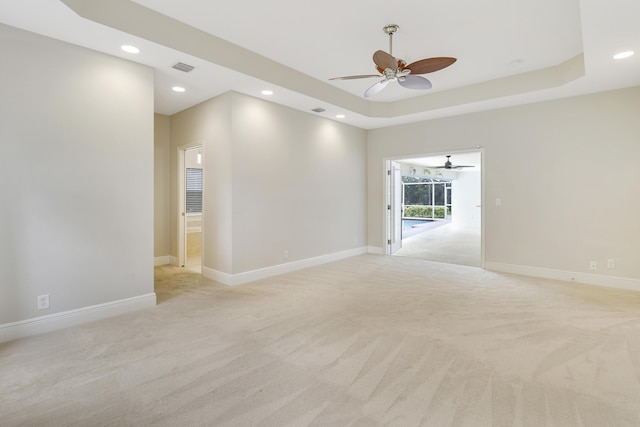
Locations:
column 390, row 30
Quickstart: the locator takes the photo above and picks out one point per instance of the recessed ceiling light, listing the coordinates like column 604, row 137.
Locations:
column 130, row 49
column 178, row 89
column 340, row 116
column 623, row 55
column 267, row 92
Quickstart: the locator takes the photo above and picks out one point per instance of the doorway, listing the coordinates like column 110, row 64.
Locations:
column 190, row 186
column 440, row 207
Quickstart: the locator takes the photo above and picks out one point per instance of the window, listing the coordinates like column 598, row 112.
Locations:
column 194, row 190
column 426, row 197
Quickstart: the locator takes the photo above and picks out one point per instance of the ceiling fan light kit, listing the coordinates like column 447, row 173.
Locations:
column 393, row 69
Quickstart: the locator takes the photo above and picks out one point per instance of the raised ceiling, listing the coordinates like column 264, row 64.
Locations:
column 509, row 52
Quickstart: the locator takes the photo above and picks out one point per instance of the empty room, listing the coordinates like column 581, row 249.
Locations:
column 201, row 213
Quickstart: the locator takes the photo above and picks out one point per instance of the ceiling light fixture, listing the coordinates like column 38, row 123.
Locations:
column 178, row 89
column 397, row 70
column 623, row 55
column 340, row 116
column 130, row 49
column 267, row 92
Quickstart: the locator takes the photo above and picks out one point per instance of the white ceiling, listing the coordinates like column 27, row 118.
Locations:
column 509, row 52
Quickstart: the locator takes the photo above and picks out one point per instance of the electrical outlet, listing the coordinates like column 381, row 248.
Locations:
column 593, row 265
column 43, row 302
column 286, row 254
column 611, row 264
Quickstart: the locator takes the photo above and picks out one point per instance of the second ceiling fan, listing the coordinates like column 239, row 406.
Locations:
column 449, row 165
column 393, row 69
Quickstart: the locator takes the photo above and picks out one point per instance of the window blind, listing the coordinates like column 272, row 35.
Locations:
column 194, row 190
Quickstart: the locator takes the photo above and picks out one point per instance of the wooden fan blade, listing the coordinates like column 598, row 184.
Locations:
column 355, row 77
column 383, row 60
column 430, row 65
column 376, row 88
column 415, row 82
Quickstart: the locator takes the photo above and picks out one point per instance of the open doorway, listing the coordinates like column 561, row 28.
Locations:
column 439, row 207
column 191, row 207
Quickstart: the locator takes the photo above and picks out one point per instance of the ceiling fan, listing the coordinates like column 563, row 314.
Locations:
column 449, row 165
column 393, row 69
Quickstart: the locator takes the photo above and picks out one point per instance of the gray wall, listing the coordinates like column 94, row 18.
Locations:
column 207, row 124
column 77, row 164
column 162, row 184
column 565, row 170
column 276, row 179
column 76, row 177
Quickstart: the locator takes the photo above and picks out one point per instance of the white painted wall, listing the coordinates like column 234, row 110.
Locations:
column 276, row 179
column 207, row 124
column 565, row 170
column 298, row 184
column 466, row 199
column 162, row 186
column 76, row 177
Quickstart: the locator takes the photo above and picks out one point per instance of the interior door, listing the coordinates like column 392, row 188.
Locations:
column 190, row 193
column 395, row 207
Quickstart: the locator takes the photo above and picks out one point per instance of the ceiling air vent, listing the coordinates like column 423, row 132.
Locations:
column 318, row 110
column 183, row 67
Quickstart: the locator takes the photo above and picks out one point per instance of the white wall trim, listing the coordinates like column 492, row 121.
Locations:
column 375, row 250
column 218, row 276
column 165, row 260
column 263, row 273
column 65, row 319
column 567, row 276
column 161, row 260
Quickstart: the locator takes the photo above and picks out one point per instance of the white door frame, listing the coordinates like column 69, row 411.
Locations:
column 393, row 218
column 182, row 235
column 387, row 192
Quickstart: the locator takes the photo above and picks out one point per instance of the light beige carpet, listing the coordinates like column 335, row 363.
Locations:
column 445, row 243
column 367, row 341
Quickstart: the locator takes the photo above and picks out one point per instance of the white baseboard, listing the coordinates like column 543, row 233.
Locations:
column 375, row 250
column 161, row 260
column 218, row 276
column 165, row 260
column 567, row 276
column 65, row 319
column 263, row 273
